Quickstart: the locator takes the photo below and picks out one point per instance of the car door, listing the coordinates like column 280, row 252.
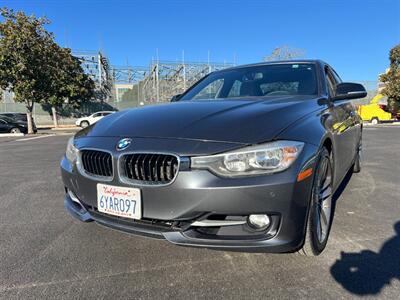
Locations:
column 94, row 118
column 343, row 128
column 3, row 126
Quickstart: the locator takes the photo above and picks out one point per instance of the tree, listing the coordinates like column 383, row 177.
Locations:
column 285, row 52
column 70, row 84
column 35, row 68
column 392, row 80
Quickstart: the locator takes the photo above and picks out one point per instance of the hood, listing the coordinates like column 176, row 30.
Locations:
column 239, row 121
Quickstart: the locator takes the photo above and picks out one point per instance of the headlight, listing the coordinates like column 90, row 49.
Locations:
column 72, row 152
column 254, row 160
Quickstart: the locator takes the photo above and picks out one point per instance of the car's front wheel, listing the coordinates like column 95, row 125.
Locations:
column 84, row 124
column 320, row 213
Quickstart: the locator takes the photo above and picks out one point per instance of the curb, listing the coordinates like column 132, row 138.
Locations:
column 11, row 134
column 65, row 128
column 382, row 124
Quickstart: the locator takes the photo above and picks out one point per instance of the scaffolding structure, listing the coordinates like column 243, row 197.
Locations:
column 156, row 83
column 166, row 78
column 97, row 66
column 128, row 74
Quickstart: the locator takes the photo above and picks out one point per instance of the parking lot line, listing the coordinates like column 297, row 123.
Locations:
column 34, row 138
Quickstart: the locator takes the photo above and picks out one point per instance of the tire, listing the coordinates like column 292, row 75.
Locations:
column 84, row 124
column 374, row 121
column 321, row 207
column 15, row 130
column 357, row 161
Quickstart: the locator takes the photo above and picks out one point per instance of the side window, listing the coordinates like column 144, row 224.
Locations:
column 336, row 76
column 331, row 83
column 235, row 89
column 96, row 115
column 211, row 91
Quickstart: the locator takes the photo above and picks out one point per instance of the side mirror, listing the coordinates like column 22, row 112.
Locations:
column 175, row 97
column 349, row 90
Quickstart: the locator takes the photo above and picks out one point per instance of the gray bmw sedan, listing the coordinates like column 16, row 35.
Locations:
column 248, row 158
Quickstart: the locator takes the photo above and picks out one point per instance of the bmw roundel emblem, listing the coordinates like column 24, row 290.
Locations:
column 123, row 144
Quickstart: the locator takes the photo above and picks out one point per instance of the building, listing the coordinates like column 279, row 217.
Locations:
column 121, row 89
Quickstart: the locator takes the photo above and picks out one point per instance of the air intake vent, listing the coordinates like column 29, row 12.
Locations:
column 97, row 163
column 150, row 168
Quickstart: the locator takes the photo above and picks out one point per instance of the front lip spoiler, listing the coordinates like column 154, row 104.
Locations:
column 180, row 238
column 82, row 214
column 77, row 210
column 269, row 244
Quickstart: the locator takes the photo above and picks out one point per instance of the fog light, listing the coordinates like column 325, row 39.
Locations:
column 259, row 221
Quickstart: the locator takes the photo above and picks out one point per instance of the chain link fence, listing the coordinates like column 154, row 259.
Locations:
column 66, row 115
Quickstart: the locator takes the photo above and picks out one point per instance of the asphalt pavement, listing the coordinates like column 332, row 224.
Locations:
column 46, row 254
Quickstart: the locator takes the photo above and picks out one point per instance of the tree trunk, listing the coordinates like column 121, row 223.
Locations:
column 55, row 121
column 29, row 118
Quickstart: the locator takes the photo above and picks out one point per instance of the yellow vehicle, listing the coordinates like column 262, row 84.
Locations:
column 375, row 112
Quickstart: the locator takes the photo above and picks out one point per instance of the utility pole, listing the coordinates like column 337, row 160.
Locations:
column 208, row 61
column 157, row 79
column 184, row 70
column 99, row 69
column 100, row 79
column 138, row 93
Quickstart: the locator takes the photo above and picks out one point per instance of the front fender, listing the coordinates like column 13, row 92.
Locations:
column 314, row 129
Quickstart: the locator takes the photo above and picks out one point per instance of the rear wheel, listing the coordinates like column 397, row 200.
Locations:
column 84, row 124
column 15, row 130
column 357, row 161
column 320, row 213
column 374, row 121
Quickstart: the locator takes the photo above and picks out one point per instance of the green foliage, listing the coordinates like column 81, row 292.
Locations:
column 70, row 83
column 35, row 68
column 392, row 80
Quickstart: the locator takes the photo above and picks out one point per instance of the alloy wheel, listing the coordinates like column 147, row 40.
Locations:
column 15, row 130
column 324, row 200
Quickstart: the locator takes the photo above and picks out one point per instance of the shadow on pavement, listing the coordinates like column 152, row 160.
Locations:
column 367, row 272
column 339, row 191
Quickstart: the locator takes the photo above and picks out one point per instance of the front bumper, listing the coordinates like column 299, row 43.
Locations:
column 168, row 211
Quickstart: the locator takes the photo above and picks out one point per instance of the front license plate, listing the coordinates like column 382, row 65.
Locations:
column 119, row 201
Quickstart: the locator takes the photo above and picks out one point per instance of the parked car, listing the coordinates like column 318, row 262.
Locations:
column 8, row 125
column 247, row 159
column 86, row 121
column 18, row 117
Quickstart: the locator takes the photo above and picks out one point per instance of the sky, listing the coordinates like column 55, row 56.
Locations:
column 354, row 37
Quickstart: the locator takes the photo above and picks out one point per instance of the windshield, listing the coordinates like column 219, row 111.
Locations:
column 256, row 81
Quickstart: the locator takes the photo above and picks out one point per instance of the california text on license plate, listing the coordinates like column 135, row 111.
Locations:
column 119, row 201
